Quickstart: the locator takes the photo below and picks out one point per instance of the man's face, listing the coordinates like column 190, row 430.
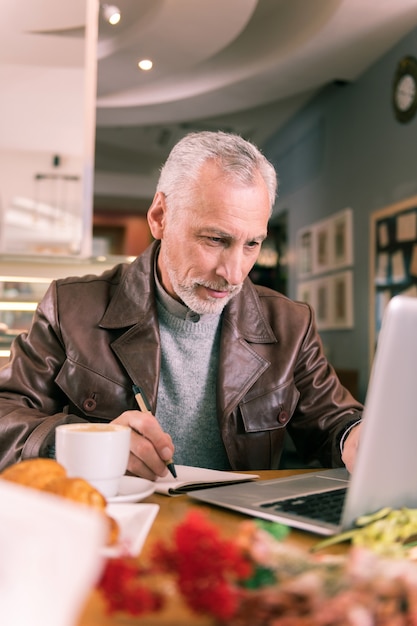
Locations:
column 209, row 247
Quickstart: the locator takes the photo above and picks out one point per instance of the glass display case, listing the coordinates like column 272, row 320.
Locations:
column 18, row 299
column 23, row 282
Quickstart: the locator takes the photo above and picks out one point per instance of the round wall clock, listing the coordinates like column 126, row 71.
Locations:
column 404, row 91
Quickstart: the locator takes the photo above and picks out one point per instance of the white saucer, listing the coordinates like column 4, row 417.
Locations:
column 133, row 489
column 135, row 522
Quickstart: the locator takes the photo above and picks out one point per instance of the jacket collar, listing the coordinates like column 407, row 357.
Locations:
column 243, row 326
column 134, row 303
column 245, row 315
column 134, row 300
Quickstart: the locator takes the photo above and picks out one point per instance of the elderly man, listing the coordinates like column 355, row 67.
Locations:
column 227, row 366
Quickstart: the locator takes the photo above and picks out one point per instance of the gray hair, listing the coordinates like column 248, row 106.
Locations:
column 241, row 160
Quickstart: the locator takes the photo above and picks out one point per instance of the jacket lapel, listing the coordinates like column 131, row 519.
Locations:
column 244, row 326
column 133, row 311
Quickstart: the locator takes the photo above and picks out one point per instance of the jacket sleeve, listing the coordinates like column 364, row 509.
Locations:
column 325, row 408
column 31, row 404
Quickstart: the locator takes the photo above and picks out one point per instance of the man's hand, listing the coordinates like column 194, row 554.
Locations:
column 350, row 447
column 150, row 446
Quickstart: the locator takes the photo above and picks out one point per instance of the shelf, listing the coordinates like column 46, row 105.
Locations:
column 24, row 281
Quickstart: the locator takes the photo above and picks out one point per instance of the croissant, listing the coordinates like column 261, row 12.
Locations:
column 36, row 473
column 49, row 476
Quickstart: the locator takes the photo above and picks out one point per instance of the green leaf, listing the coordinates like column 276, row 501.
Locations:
column 335, row 539
column 277, row 530
column 263, row 577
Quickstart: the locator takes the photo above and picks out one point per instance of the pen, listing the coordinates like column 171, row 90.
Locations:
column 145, row 408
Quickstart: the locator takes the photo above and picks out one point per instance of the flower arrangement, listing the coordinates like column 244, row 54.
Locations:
column 256, row 579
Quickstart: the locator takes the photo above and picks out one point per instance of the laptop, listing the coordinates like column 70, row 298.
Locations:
column 385, row 472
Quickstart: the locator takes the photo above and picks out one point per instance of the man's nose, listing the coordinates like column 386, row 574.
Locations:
column 231, row 267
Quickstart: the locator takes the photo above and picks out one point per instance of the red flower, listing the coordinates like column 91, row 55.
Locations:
column 208, row 568
column 123, row 590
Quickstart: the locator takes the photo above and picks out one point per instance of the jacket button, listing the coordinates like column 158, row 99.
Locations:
column 89, row 404
column 282, row 417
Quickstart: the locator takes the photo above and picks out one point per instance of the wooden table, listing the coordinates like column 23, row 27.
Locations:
column 172, row 511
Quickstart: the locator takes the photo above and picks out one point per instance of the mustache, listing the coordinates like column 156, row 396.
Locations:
column 217, row 286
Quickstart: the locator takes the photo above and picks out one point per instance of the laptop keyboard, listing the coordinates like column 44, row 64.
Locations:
column 326, row 506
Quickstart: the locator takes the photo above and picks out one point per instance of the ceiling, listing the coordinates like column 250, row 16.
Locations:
column 240, row 65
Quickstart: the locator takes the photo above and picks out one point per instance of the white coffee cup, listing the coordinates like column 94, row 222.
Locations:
column 97, row 452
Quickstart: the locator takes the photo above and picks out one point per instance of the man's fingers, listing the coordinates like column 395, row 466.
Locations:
column 150, row 446
column 144, row 460
column 137, row 467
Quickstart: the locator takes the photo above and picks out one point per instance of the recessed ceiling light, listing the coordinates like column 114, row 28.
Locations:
column 111, row 13
column 145, row 64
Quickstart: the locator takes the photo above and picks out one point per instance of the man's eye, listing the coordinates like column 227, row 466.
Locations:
column 215, row 239
column 253, row 244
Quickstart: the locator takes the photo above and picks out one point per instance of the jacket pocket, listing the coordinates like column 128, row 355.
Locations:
column 269, row 410
column 91, row 395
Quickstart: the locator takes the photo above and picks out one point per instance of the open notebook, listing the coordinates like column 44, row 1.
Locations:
column 385, row 472
column 189, row 478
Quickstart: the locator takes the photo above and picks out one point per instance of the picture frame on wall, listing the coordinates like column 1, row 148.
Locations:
column 322, row 247
column 342, row 239
column 325, row 260
column 306, row 292
column 305, row 252
column 342, row 299
column 323, row 302
column 331, row 297
column 326, row 245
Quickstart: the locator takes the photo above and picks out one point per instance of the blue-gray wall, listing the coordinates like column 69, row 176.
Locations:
column 345, row 149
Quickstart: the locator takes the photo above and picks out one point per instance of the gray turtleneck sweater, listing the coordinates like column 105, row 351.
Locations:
column 186, row 405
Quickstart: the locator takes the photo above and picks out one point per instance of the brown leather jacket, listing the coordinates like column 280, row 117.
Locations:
column 92, row 337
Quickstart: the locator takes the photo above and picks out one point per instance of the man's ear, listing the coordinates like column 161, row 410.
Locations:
column 157, row 215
